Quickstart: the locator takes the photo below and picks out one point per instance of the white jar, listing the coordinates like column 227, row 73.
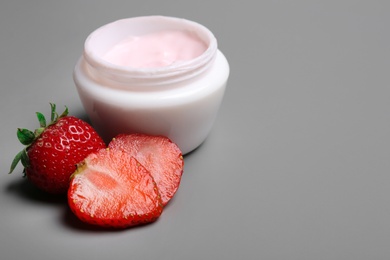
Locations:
column 180, row 101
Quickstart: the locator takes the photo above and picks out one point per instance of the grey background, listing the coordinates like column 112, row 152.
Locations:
column 296, row 167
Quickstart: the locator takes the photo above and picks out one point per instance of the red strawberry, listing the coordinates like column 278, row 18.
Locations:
column 53, row 150
column 112, row 189
column 159, row 155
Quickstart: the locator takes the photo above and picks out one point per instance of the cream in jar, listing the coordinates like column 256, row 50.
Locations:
column 155, row 75
column 155, row 49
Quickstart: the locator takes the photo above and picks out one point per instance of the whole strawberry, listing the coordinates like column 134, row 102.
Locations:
column 53, row 150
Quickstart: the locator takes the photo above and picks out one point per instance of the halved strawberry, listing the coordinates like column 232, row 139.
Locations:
column 112, row 189
column 159, row 155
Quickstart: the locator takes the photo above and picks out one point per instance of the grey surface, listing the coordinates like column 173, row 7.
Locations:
column 296, row 167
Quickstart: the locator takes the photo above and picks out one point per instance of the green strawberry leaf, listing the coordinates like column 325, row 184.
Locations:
column 25, row 136
column 65, row 113
column 24, row 159
column 41, row 119
column 20, row 157
column 54, row 114
column 16, row 161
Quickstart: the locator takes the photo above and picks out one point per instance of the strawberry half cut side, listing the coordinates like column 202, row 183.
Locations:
column 112, row 189
column 159, row 155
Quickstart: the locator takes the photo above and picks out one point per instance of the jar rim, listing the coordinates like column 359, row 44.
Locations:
column 175, row 72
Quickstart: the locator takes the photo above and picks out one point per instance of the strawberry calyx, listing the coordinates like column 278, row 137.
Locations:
column 28, row 137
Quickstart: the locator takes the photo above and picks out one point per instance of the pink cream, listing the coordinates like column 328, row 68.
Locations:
column 155, row 50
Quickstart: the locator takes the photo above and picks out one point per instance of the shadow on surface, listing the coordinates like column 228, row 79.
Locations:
column 25, row 190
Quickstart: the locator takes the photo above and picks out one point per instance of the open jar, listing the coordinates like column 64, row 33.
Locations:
column 179, row 98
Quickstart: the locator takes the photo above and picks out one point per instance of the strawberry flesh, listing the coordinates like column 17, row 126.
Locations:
column 159, row 155
column 112, row 189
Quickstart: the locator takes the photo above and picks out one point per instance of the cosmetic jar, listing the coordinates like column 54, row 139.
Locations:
column 179, row 100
